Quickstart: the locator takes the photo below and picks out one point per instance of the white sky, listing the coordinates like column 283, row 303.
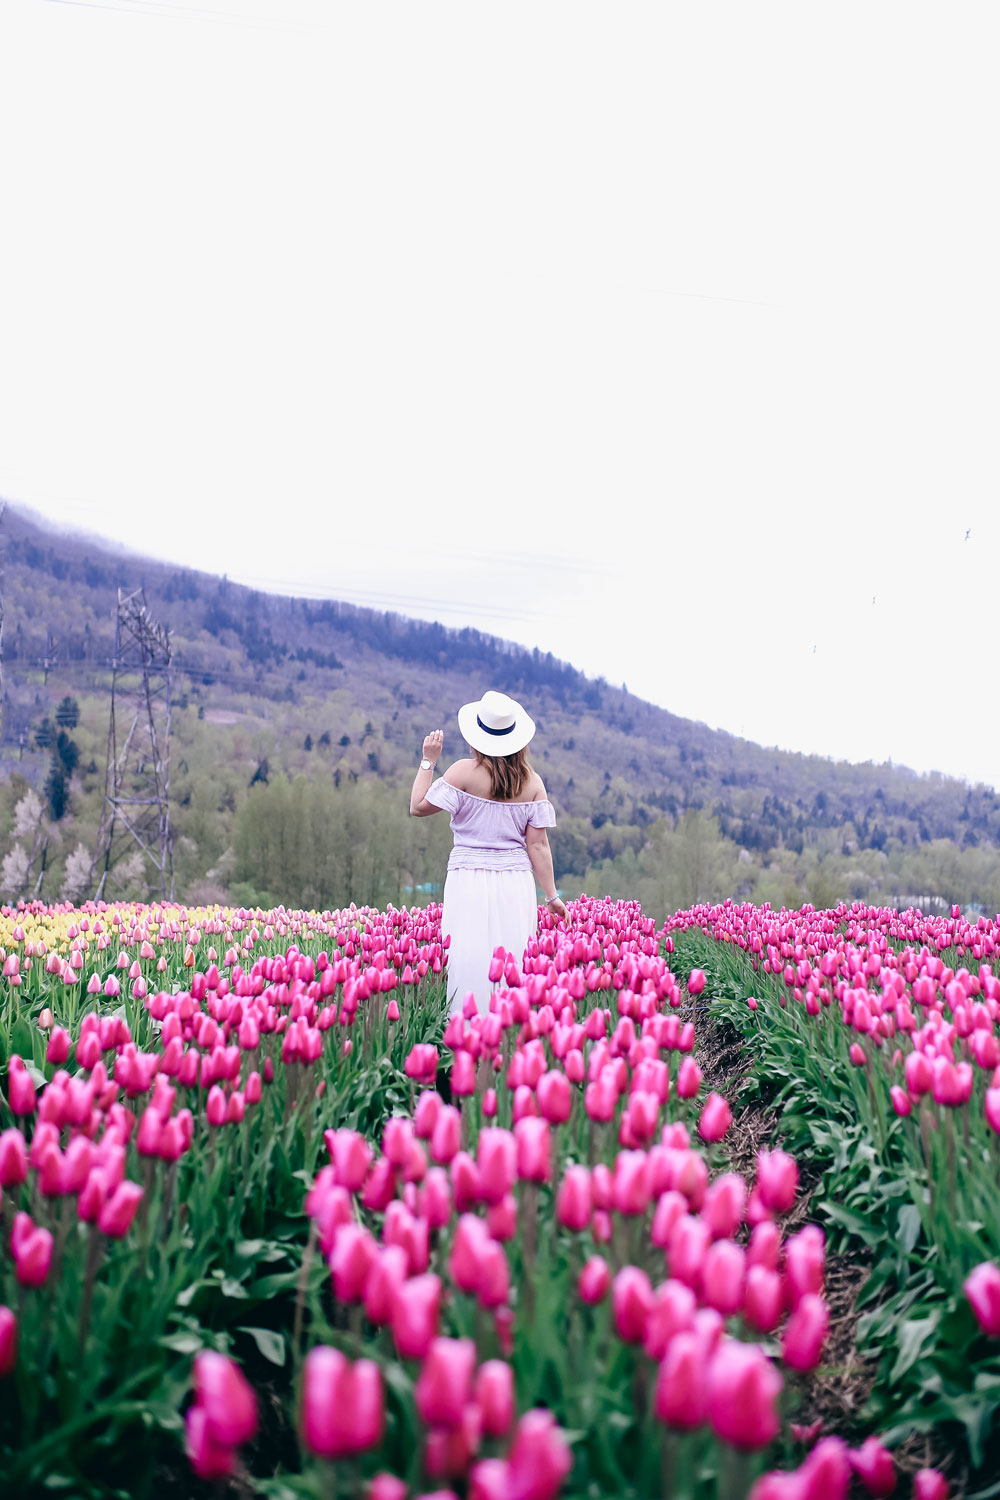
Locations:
column 662, row 337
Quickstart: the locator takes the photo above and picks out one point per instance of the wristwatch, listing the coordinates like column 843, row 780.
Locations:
column 426, row 765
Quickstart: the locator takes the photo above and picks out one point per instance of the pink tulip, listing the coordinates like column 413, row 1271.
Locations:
column 13, row 1158
column 534, row 1150
column 805, row 1259
column 723, row 1275
column 494, row 1277
column 826, row 1473
column 595, row 1280
column 32, row 1251
column 539, row 1458
column 742, row 1393
column 992, row 1109
column 445, row 1382
column 8, row 1341
column 446, row 1138
column 632, row 1299
column 689, row 1077
column 573, row 1200
column 494, row 1395
column 496, row 1156
column 555, row 1099
column 229, row 1404
column 429, row 1106
column 874, row 1466
column 468, row 1250
column 680, row 1384
column 354, row 1251
column 805, row 1333
column 672, row 1312
column 696, row 981
column 415, row 1315
column 762, row 1299
column 501, row 1218
column 900, row 1100
column 716, row 1118
column 930, row 1484
column 387, row 1487
column 21, row 1094
column 386, row 1275
column 343, row 1405
column 209, row 1459
column 118, row 1210
column 351, row 1157
column 777, row 1180
column 725, row 1205
column 59, row 1046
column 982, row 1287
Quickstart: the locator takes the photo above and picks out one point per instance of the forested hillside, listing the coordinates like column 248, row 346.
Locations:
column 271, row 689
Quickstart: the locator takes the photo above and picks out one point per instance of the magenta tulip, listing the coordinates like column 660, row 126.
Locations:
column 982, row 1287
column 343, row 1404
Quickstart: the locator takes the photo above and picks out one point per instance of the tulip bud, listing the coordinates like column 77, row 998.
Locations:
column 229, row 1404
column 415, row 1315
column 494, row 1395
column 930, row 1484
column 595, row 1280
column 8, row 1341
column 573, row 1200
column 539, row 1459
column 343, row 1404
column 443, row 1388
column 982, row 1287
column 742, row 1392
column 117, row 1212
column 874, row 1467
column 680, row 1384
column 716, row 1118
column 805, row 1333
column 777, row 1180
column 632, row 1299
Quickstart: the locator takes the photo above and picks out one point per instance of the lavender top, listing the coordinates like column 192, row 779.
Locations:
column 489, row 835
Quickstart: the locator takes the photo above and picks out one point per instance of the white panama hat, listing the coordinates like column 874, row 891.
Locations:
column 496, row 725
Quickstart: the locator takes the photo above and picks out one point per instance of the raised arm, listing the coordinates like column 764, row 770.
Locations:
column 419, row 806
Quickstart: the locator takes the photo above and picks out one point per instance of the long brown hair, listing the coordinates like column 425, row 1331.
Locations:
column 509, row 774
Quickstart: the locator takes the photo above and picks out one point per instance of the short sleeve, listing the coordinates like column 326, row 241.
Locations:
column 443, row 795
column 541, row 814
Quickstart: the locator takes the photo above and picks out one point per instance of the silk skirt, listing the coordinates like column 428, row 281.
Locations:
column 484, row 910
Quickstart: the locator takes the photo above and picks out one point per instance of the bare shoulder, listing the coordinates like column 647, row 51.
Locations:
column 457, row 774
column 536, row 789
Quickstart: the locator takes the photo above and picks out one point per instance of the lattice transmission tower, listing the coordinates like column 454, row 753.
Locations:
column 136, row 811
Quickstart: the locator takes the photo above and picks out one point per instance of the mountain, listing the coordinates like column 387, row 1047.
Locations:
column 338, row 693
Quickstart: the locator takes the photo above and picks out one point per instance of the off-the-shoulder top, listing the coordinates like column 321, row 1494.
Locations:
column 489, row 835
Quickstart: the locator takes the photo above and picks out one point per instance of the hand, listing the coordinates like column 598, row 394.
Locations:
column 433, row 744
column 557, row 907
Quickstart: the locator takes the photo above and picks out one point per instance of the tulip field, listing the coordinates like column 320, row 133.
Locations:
column 272, row 1224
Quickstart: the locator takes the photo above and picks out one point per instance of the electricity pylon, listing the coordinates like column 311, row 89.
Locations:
column 137, row 796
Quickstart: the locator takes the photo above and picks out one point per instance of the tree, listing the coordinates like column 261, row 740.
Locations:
column 68, row 713
column 307, row 743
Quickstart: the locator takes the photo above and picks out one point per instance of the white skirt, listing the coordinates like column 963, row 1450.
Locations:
column 483, row 910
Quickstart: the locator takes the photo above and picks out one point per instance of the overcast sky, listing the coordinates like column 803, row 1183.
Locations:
column 661, row 337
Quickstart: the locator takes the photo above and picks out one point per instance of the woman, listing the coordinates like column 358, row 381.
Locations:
column 499, row 814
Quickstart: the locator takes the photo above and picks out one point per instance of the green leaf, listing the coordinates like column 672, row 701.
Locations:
column 270, row 1344
column 908, row 1226
column 181, row 1343
column 21, row 1039
column 231, row 1288
column 914, row 1335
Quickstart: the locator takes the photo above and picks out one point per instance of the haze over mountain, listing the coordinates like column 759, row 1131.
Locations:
column 342, row 695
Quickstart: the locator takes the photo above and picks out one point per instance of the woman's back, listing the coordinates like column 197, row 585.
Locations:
column 483, row 823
